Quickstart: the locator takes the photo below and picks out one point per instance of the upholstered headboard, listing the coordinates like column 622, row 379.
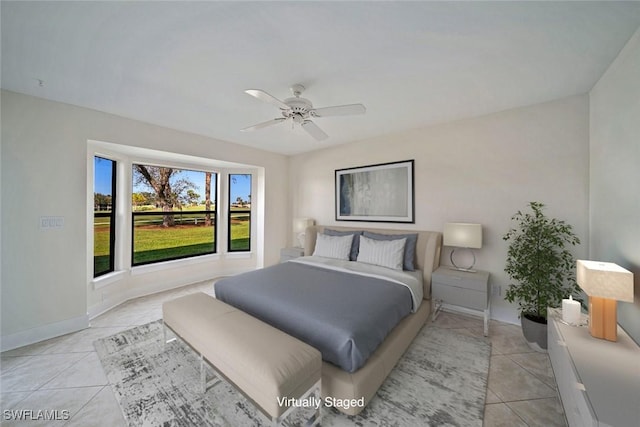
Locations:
column 428, row 247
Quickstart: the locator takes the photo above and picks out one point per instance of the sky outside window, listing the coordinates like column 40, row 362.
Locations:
column 241, row 188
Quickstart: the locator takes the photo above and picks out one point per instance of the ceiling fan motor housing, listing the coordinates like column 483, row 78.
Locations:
column 299, row 108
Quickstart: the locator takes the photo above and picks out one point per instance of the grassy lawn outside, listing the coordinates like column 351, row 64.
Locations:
column 152, row 242
column 155, row 255
column 155, row 243
column 100, row 264
column 240, row 231
column 101, row 245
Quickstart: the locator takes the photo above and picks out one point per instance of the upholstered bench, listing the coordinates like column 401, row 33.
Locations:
column 269, row 367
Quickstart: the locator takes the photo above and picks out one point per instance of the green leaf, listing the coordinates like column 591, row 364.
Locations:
column 539, row 262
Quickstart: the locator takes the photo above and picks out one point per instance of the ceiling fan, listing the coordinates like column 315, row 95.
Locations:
column 300, row 110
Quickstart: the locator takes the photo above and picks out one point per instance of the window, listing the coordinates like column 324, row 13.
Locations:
column 104, row 219
column 173, row 213
column 239, row 213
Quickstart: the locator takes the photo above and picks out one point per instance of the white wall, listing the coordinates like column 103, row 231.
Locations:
column 477, row 170
column 615, row 172
column 44, row 172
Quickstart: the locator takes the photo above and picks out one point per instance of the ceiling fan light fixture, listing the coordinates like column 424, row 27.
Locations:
column 300, row 111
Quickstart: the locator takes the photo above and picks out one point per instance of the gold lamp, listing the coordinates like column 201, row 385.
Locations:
column 605, row 283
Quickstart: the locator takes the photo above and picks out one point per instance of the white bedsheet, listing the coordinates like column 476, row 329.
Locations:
column 410, row 279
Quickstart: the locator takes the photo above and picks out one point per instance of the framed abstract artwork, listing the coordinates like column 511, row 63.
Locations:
column 376, row 193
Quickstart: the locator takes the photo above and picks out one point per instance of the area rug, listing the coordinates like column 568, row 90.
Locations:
column 440, row 381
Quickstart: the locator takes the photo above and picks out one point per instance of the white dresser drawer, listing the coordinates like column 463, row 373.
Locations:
column 576, row 404
column 598, row 380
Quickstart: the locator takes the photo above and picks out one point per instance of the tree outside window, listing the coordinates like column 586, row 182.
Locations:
column 173, row 213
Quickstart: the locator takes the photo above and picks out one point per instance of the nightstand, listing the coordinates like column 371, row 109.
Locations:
column 290, row 253
column 466, row 290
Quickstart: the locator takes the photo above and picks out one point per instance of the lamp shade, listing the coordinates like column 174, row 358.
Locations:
column 462, row 235
column 605, row 280
column 301, row 224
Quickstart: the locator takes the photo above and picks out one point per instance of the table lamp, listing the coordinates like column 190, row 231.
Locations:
column 605, row 283
column 462, row 235
column 299, row 227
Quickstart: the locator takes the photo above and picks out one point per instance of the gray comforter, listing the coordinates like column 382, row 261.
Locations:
column 344, row 315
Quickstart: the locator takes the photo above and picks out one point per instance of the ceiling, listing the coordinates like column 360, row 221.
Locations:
column 185, row 65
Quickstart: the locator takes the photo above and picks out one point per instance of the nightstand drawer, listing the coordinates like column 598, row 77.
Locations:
column 469, row 291
column 475, row 281
column 460, row 296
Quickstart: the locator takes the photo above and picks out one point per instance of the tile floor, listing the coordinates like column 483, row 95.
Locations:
column 64, row 373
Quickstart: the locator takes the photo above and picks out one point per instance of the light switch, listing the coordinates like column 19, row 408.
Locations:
column 47, row 222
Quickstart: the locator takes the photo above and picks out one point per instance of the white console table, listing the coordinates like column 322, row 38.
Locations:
column 598, row 380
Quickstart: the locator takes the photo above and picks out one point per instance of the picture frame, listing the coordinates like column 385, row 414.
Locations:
column 377, row 193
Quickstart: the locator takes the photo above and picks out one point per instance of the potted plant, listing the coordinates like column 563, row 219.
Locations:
column 542, row 267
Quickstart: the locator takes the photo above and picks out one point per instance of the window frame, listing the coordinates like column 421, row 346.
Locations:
column 214, row 214
column 248, row 211
column 112, row 218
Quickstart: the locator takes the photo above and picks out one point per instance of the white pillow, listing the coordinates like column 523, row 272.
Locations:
column 385, row 253
column 338, row 247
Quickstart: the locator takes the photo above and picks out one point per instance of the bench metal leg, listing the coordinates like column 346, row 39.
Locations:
column 314, row 420
column 218, row 378
column 164, row 335
column 204, row 384
column 203, row 375
column 166, row 341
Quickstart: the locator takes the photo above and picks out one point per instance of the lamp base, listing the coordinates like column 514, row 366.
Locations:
column 457, row 267
column 603, row 320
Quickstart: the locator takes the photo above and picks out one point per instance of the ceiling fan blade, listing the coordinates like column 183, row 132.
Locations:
column 339, row 110
column 264, row 96
column 313, row 130
column 263, row 124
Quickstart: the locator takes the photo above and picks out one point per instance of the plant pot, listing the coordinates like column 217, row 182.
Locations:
column 535, row 332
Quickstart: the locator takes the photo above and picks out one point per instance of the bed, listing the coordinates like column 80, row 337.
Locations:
column 392, row 308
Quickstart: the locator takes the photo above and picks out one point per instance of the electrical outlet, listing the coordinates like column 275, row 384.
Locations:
column 496, row 290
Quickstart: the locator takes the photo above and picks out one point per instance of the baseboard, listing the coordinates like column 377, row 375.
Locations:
column 52, row 330
column 475, row 313
column 45, row 332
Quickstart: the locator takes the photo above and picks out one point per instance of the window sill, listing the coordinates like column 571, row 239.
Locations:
column 108, row 279
column 238, row 255
column 159, row 266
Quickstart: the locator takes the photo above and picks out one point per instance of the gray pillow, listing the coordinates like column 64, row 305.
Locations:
column 355, row 243
column 409, row 247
